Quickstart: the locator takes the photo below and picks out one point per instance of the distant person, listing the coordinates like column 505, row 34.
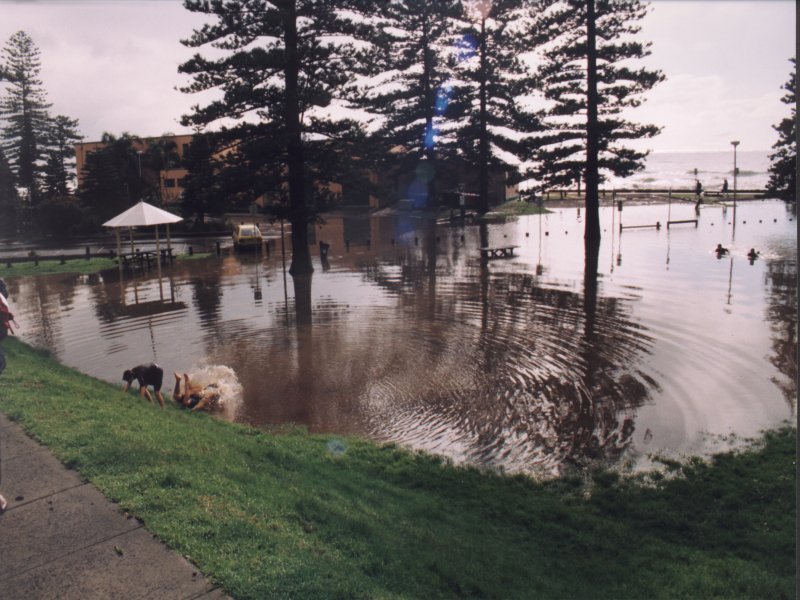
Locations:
column 752, row 255
column 146, row 375
column 194, row 396
column 720, row 250
column 6, row 319
column 698, row 188
column 725, row 186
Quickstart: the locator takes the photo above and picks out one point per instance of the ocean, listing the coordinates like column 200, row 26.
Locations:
column 676, row 170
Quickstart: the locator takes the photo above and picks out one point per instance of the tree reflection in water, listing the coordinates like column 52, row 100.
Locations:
column 781, row 284
column 546, row 380
column 418, row 341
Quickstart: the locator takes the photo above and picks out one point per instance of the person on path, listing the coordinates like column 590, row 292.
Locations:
column 146, row 375
column 725, row 186
column 6, row 319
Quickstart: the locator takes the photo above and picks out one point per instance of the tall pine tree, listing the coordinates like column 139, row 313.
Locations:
column 783, row 170
column 202, row 193
column 24, row 109
column 491, row 117
column 60, row 139
column 409, row 84
column 587, row 76
column 281, row 60
column 111, row 182
column 9, row 199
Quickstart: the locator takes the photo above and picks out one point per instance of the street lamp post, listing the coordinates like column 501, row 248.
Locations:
column 139, row 157
column 735, row 172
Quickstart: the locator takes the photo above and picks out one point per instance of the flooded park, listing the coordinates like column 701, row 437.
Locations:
column 535, row 363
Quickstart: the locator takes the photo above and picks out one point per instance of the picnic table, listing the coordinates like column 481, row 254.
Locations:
column 144, row 258
column 498, row 251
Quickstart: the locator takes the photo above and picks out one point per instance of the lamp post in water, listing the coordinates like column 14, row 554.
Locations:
column 735, row 172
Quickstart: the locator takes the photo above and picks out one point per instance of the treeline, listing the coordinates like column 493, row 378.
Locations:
column 537, row 88
column 37, row 152
column 783, row 167
column 316, row 92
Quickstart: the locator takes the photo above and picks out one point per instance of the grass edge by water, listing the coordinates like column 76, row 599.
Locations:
column 303, row 515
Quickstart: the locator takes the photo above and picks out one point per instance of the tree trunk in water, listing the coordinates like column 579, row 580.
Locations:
column 592, row 230
column 305, row 382
column 298, row 213
column 483, row 142
column 302, row 298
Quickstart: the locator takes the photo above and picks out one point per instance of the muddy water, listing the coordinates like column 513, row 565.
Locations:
column 534, row 363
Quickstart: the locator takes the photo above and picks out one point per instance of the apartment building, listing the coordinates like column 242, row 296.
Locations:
column 409, row 184
column 169, row 180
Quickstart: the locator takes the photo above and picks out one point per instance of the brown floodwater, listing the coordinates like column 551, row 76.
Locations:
column 535, row 363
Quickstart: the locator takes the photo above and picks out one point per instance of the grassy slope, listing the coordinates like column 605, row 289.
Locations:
column 292, row 515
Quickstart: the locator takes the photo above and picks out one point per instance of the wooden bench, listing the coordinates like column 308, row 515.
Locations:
column 146, row 258
column 137, row 259
column 498, row 252
column 682, row 221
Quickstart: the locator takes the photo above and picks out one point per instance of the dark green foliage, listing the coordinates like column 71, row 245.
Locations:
column 783, row 170
column 410, row 76
column 489, row 108
column 59, row 145
column 292, row 515
column 59, row 215
column 112, row 183
column 9, row 198
column 281, row 64
column 202, row 192
column 590, row 80
column 24, row 109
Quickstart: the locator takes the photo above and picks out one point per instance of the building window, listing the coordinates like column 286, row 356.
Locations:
column 185, row 149
column 169, row 183
column 182, row 182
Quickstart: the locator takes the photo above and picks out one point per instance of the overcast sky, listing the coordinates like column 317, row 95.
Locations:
column 112, row 64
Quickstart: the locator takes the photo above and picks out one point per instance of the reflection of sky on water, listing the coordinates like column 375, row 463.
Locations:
column 498, row 362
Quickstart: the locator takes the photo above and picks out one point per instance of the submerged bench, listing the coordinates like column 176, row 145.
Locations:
column 683, row 221
column 657, row 225
column 498, row 252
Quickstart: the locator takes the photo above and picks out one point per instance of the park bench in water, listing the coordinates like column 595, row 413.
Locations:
column 498, row 251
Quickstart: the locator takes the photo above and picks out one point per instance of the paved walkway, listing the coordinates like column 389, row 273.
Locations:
column 61, row 538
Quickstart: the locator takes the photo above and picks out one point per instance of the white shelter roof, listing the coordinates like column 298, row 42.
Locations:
column 142, row 214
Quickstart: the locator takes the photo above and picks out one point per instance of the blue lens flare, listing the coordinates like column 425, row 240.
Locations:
column 466, row 47
column 430, row 136
column 443, row 95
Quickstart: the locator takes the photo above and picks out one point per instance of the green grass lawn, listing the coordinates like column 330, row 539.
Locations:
column 289, row 514
column 48, row 267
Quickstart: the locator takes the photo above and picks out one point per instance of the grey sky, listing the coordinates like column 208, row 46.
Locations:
column 112, row 64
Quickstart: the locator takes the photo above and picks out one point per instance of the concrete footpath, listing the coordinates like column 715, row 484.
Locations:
column 61, row 538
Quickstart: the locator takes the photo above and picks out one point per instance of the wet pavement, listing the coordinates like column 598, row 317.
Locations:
column 61, row 538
